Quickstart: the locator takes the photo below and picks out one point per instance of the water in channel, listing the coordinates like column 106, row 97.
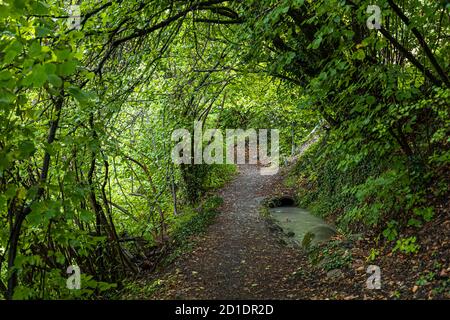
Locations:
column 298, row 222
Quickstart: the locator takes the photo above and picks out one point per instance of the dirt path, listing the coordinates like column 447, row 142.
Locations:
column 239, row 257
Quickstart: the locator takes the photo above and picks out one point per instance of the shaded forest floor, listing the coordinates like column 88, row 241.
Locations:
column 243, row 256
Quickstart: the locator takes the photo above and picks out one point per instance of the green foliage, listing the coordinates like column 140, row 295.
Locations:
column 109, row 171
column 377, row 160
column 139, row 290
column 192, row 223
column 219, row 175
column 330, row 256
column 196, row 221
column 391, row 233
column 86, row 117
column 374, row 253
column 425, row 213
column 407, row 245
column 425, row 279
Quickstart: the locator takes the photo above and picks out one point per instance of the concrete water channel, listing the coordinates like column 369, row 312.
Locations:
column 297, row 222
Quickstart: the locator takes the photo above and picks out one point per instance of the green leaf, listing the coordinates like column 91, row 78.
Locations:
column 4, row 11
column 50, row 68
column 67, row 68
column 26, row 149
column 414, row 222
column 426, row 213
column 38, row 75
column 359, row 54
column 5, row 75
column 316, row 43
column 86, row 216
column 12, row 51
column 39, row 7
column 35, row 49
column 55, row 80
column 6, row 98
column 42, row 31
column 81, row 96
column 370, row 99
column 62, row 55
column 19, row 4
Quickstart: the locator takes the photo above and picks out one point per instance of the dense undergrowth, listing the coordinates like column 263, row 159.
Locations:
column 372, row 195
column 371, row 186
column 88, row 109
column 364, row 182
column 183, row 231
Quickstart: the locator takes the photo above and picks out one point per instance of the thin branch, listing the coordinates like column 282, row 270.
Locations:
column 422, row 43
